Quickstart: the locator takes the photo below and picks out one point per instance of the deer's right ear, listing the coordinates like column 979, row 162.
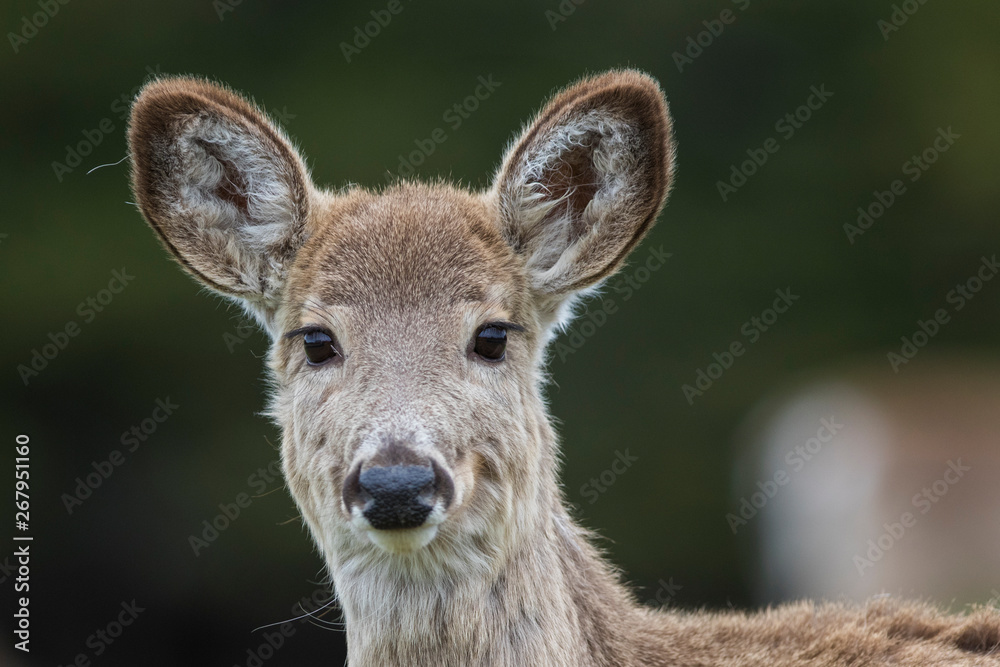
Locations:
column 586, row 180
column 221, row 185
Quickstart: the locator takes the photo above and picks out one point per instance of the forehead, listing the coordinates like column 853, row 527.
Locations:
column 413, row 246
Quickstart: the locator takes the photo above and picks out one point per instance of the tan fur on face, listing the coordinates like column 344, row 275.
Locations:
column 403, row 279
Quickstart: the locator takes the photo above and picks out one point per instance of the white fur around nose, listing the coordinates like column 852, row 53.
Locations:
column 403, row 541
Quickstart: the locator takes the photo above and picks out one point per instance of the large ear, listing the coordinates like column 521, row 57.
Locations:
column 586, row 180
column 221, row 185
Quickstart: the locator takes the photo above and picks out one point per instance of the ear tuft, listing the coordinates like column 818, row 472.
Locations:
column 220, row 184
column 587, row 179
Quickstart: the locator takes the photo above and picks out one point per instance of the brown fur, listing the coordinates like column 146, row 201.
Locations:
column 403, row 279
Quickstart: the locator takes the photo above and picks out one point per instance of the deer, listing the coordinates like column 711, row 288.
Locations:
column 409, row 327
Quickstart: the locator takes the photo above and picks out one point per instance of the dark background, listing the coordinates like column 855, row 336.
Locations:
column 64, row 233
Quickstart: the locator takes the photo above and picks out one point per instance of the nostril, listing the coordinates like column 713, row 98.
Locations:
column 399, row 496
column 443, row 484
column 351, row 492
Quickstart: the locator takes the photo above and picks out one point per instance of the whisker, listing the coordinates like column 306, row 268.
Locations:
column 307, row 614
column 109, row 164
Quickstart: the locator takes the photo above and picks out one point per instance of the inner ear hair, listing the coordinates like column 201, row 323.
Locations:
column 220, row 184
column 587, row 179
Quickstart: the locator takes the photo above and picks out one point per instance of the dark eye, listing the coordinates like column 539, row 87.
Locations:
column 491, row 342
column 319, row 346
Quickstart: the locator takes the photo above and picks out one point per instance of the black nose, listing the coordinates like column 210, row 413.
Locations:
column 399, row 496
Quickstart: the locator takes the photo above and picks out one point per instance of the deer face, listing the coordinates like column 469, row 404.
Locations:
column 408, row 326
column 405, row 363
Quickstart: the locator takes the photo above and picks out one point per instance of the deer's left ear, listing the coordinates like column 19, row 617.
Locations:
column 586, row 180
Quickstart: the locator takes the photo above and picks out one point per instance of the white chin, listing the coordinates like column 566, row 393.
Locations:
column 405, row 540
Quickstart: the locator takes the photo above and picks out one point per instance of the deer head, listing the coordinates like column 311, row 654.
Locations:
column 408, row 325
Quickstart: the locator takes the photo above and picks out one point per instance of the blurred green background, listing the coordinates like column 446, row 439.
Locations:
column 64, row 232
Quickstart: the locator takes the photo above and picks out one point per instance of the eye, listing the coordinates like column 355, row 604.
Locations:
column 491, row 342
column 319, row 346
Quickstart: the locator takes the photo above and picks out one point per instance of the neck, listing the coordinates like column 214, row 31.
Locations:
column 551, row 601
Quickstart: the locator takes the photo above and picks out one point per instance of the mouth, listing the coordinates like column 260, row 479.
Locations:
column 403, row 540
